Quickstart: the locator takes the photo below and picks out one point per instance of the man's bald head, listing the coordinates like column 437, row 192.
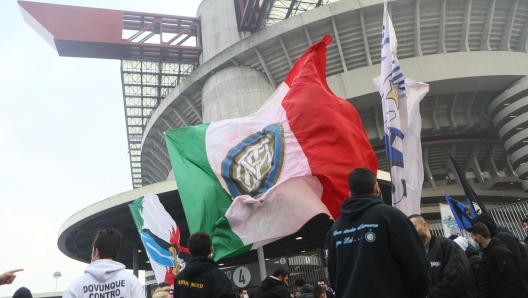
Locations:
column 417, row 218
column 421, row 227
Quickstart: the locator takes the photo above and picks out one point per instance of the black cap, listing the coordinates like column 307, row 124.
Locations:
column 299, row 282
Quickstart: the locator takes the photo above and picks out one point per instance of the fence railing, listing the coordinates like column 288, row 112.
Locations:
column 509, row 216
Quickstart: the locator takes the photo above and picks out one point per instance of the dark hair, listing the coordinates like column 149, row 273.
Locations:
column 299, row 282
column 480, row 229
column 108, row 242
column 322, row 280
column 163, row 284
column 318, row 291
column 199, row 244
column 240, row 291
column 281, row 272
column 524, row 221
column 361, row 181
column 22, row 292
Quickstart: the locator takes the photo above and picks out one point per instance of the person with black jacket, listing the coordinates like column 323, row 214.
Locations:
column 512, row 243
column 201, row 277
column 504, row 274
column 373, row 250
column 524, row 223
column 450, row 272
column 274, row 286
column 306, row 291
column 477, row 266
column 322, row 283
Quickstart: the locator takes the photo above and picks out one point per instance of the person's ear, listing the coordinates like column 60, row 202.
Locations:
column 210, row 252
column 95, row 255
column 377, row 189
column 349, row 193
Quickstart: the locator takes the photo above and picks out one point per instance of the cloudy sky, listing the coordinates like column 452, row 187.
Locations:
column 62, row 141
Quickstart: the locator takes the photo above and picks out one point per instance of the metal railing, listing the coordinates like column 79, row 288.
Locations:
column 509, row 216
column 309, row 265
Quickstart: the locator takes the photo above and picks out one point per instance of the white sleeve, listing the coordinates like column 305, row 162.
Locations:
column 136, row 290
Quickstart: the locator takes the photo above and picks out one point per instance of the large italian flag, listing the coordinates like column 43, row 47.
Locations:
column 249, row 181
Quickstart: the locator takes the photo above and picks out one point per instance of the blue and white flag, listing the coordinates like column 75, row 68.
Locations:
column 400, row 99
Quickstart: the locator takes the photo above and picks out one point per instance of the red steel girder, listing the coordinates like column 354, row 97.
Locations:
column 249, row 13
column 98, row 33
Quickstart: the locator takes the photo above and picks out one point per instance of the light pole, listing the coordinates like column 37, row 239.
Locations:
column 56, row 275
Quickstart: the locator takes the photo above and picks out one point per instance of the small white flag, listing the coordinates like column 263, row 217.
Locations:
column 400, row 99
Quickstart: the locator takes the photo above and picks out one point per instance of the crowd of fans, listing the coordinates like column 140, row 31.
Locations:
column 374, row 250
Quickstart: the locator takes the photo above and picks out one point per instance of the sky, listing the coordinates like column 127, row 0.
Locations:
column 62, row 141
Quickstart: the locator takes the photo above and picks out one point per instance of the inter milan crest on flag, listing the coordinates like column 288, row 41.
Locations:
column 254, row 165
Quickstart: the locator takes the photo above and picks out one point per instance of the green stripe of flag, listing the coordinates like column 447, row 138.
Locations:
column 136, row 208
column 204, row 200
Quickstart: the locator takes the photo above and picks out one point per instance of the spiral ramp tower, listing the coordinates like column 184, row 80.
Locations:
column 509, row 112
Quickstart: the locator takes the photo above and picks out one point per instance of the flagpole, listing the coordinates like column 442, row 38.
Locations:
column 261, row 262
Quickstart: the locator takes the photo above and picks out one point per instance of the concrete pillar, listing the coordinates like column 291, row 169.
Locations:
column 261, row 262
column 135, row 258
column 219, row 27
column 234, row 92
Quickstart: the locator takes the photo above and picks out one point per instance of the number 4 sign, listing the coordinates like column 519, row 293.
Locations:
column 241, row 277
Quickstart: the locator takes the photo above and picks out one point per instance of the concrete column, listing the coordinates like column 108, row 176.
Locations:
column 261, row 262
column 219, row 27
column 234, row 92
column 135, row 258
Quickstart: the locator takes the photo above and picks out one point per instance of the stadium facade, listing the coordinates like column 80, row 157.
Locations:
column 472, row 53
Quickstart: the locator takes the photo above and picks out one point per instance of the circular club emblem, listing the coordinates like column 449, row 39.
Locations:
column 282, row 261
column 254, row 165
column 370, row 236
column 241, row 277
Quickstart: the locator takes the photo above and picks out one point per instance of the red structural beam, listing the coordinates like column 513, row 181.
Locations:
column 98, row 33
column 249, row 13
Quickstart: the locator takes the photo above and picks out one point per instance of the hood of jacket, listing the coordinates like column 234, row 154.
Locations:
column 199, row 264
column 103, row 270
column 162, row 292
column 354, row 206
column 500, row 229
column 307, row 288
column 462, row 242
column 270, row 282
column 471, row 251
column 485, row 219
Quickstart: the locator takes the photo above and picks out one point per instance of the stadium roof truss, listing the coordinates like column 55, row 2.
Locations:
column 145, row 83
column 278, row 10
column 156, row 51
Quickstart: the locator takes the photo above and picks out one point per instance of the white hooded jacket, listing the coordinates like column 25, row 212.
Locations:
column 105, row 279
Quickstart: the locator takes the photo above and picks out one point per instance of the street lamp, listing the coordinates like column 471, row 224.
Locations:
column 56, row 275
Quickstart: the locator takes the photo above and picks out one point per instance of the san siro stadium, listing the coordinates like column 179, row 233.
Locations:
column 225, row 62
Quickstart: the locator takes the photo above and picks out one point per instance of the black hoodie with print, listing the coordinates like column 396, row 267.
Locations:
column 512, row 243
column 374, row 251
column 271, row 287
column 202, row 278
